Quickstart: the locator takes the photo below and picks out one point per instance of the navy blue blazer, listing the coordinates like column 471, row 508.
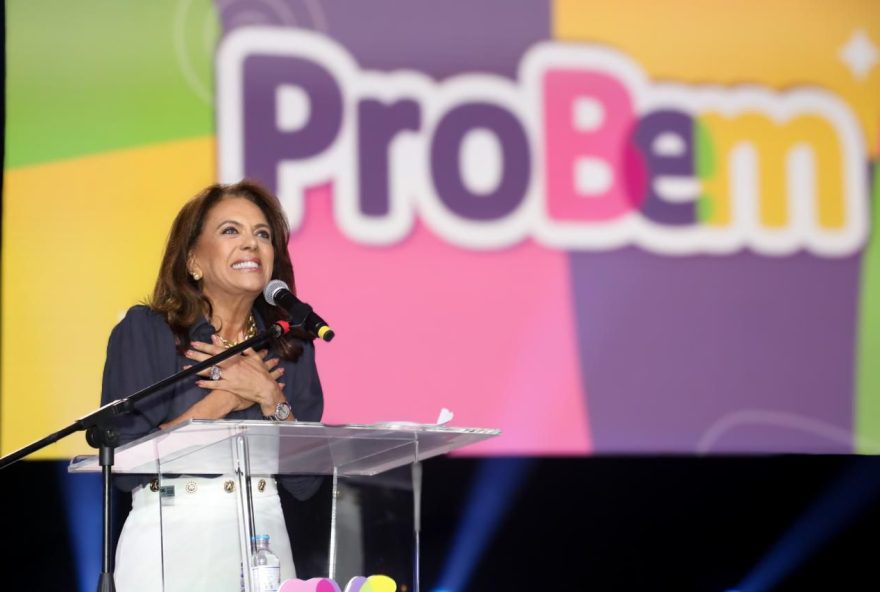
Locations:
column 141, row 351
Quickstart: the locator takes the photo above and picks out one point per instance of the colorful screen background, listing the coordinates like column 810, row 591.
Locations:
column 112, row 117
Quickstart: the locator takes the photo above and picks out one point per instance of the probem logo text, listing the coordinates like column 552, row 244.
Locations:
column 581, row 152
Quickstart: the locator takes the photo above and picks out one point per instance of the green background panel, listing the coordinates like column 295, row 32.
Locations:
column 868, row 380
column 77, row 85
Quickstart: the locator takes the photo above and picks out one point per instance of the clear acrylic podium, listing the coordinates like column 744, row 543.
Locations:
column 258, row 448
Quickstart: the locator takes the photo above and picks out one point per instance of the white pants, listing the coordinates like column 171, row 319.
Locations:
column 200, row 549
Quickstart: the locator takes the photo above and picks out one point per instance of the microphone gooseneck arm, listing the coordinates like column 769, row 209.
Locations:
column 96, row 423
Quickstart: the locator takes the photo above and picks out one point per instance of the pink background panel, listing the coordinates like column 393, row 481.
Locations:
column 422, row 325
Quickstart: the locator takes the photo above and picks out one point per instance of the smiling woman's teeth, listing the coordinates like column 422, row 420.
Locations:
column 246, row 265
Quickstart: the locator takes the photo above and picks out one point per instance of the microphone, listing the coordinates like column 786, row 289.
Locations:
column 277, row 293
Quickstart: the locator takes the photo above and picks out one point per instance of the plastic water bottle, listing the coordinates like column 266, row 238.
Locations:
column 265, row 566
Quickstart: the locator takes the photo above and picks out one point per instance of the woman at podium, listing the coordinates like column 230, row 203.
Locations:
column 223, row 248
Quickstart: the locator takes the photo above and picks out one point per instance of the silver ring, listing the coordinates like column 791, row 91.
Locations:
column 215, row 373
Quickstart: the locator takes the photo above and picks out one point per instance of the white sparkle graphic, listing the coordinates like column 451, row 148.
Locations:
column 860, row 54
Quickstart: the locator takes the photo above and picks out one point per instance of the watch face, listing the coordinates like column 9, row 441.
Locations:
column 282, row 411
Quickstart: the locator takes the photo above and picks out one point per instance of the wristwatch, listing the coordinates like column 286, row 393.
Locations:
column 282, row 412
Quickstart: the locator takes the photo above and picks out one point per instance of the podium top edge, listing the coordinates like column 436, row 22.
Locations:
column 318, row 447
column 389, row 425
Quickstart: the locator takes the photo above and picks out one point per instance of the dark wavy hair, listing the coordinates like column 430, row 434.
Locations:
column 179, row 298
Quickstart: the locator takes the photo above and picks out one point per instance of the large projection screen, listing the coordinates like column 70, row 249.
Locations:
column 602, row 228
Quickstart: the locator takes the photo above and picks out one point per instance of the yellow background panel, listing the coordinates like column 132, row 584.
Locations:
column 780, row 45
column 70, row 270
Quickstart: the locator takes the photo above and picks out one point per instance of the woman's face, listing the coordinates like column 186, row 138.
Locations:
column 234, row 253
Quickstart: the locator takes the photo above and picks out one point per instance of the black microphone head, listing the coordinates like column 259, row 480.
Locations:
column 271, row 290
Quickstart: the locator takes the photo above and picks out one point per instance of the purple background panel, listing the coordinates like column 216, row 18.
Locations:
column 725, row 354
column 440, row 39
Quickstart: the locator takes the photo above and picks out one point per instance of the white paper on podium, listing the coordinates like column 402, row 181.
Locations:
column 445, row 417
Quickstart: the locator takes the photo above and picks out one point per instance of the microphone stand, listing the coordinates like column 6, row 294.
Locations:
column 101, row 435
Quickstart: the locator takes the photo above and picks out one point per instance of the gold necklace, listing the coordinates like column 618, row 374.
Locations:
column 251, row 332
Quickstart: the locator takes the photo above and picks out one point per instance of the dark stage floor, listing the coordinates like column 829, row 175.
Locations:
column 644, row 523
